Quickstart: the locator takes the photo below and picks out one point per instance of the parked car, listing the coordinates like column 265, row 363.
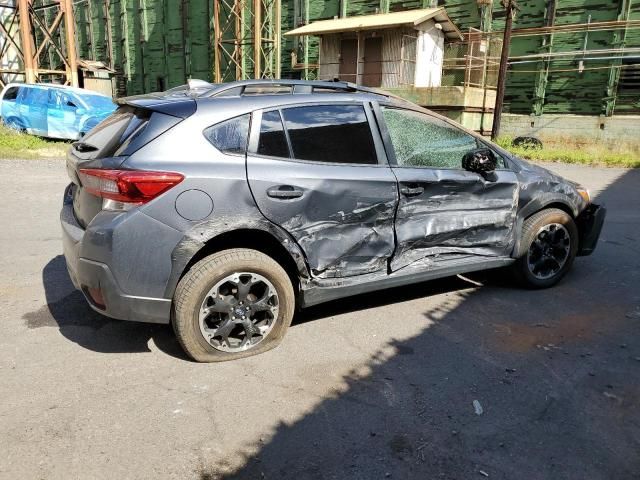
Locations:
column 223, row 208
column 53, row 111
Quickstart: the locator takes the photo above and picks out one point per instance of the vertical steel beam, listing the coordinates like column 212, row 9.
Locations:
column 26, row 41
column 542, row 77
column 344, row 5
column 619, row 41
column 107, row 18
column 66, row 7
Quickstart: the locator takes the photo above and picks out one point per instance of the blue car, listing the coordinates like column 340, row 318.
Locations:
column 53, row 111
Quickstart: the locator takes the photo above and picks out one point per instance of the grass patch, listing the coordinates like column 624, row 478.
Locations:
column 21, row 145
column 576, row 151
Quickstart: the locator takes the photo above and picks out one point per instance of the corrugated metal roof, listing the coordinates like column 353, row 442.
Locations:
column 380, row 21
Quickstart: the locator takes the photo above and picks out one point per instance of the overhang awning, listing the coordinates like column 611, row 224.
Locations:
column 411, row 18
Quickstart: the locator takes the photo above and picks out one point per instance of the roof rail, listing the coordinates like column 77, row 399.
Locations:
column 238, row 88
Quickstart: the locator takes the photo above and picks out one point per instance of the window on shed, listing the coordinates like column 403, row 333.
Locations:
column 273, row 141
column 11, row 93
column 230, row 136
column 330, row 133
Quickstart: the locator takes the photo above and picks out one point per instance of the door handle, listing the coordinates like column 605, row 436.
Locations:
column 284, row 192
column 412, row 191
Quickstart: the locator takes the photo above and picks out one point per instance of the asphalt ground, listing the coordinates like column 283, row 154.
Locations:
column 375, row 386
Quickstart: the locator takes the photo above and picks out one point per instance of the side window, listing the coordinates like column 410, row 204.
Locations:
column 423, row 141
column 330, row 133
column 273, row 141
column 230, row 136
column 11, row 94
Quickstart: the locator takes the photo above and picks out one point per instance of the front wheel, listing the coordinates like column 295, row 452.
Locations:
column 232, row 304
column 548, row 248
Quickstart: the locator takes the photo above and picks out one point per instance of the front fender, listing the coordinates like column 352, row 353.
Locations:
column 540, row 202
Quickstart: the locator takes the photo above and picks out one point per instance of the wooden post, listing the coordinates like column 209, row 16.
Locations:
column 257, row 38
column 217, row 42
column 70, row 39
column 277, row 37
column 504, row 65
column 26, row 41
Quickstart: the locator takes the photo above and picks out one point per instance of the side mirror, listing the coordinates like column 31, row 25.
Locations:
column 480, row 160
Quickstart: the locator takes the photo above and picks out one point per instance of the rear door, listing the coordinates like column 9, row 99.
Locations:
column 33, row 106
column 319, row 171
column 444, row 209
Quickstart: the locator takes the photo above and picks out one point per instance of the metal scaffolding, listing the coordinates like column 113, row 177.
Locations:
column 42, row 38
column 247, row 39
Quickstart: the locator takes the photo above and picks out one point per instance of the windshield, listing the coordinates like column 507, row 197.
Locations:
column 98, row 102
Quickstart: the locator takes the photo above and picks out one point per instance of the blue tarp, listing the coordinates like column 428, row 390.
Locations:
column 52, row 110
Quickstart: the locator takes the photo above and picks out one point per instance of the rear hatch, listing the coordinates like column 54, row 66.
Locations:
column 136, row 122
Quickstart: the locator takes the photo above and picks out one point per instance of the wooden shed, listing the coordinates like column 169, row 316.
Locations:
column 384, row 50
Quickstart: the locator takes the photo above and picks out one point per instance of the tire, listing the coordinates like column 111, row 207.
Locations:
column 15, row 124
column 556, row 235
column 209, row 285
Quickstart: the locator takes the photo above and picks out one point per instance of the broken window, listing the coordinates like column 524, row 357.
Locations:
column 420, row 140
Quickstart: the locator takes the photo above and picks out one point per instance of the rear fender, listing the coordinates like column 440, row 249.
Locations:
column 200, row 235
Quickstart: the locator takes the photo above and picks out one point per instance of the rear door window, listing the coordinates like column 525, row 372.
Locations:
column 231, row 135
column 273, row 140
column 330, row 133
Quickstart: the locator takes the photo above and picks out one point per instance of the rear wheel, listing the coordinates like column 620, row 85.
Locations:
column 232, row 304
column 547, row 249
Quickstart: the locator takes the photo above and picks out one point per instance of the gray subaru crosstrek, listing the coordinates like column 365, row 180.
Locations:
column 223, row 208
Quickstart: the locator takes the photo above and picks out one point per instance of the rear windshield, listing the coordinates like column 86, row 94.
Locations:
column 97, row 102
column 112, row 136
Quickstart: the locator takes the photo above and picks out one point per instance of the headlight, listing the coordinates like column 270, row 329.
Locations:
column 584, row 193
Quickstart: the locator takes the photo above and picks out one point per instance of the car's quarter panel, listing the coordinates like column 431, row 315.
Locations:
column 457, row 212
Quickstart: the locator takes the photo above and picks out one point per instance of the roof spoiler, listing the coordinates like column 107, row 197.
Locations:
column 173, row 104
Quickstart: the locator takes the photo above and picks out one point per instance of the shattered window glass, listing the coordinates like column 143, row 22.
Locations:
column 423, row 141
column 273, row 142
column 230, row 136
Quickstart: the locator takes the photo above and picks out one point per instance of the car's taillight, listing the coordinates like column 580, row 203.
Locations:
column 127, row 187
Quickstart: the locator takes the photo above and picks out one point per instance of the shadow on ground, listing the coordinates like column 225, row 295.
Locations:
column 67, row 310
column 555, row 372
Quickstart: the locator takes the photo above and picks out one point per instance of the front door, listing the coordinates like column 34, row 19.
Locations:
column 348, row 71
column 315, row 170
column 372, row 75
column 444, row 209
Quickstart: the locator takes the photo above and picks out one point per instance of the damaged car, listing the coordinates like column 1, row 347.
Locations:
column 53, row 111
column 222, row 209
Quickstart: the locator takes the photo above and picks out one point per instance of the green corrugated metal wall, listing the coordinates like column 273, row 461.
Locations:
column 160, row 43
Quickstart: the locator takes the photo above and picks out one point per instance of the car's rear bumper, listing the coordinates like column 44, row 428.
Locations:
column 91, row 276
column 590, row 224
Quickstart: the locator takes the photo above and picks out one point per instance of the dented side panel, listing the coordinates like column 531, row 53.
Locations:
column 343, row 220
column 458, row 212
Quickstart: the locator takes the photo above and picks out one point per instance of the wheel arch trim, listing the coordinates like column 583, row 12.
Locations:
column 206, row 237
